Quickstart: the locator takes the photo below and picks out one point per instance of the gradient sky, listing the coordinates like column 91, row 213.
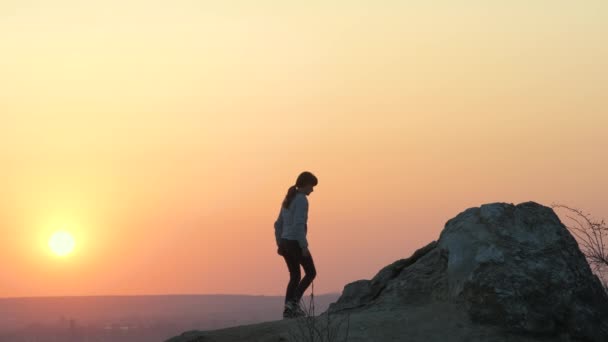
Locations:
column 164, row 134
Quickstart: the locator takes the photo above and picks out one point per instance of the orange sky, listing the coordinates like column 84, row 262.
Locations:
column 164, row 135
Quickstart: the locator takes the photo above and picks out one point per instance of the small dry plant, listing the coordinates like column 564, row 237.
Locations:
column 323, row 328
column 592, row 237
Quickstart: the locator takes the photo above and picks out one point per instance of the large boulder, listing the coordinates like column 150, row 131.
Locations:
column 512, row 266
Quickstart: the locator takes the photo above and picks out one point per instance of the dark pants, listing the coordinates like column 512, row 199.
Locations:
column 292, row 253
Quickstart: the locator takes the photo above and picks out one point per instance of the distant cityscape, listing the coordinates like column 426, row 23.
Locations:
column 133, row 318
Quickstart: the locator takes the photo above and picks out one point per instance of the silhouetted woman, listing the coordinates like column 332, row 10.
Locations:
column 290, row 232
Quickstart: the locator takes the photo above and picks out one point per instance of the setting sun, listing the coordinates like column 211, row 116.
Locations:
column 62, row 243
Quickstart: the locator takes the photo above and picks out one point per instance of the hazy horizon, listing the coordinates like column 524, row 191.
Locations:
column 134, row 318
column 169, row 295
column 163, row 136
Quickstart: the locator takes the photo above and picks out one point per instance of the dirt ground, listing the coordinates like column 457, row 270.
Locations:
column 438, row 322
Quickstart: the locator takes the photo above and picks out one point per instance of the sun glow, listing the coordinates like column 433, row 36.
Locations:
column 62, row 243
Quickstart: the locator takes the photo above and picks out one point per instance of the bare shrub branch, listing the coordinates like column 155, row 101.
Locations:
column 311, row 328
column 592, row 237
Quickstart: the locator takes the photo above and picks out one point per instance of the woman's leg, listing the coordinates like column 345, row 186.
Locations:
column 292, row 259
column 310, row 274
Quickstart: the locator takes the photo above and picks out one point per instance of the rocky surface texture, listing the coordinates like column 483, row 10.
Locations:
column 499, row 272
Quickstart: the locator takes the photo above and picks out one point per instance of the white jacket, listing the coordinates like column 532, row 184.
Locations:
column 292, row 222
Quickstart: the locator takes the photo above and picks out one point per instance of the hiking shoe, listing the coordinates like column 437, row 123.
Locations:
column 296, row 309
column 293, row 310
column 288, row 313
column 299, row 311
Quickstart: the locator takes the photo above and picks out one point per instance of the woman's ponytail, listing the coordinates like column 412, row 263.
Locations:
column 291, row 193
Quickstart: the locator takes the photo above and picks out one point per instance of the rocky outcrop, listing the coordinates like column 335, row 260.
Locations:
column 516, row 267
column 499, row 272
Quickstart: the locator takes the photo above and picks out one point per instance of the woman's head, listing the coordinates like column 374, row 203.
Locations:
column 304, row 183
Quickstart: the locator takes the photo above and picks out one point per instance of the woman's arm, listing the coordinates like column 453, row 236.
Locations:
column 300, row 219
column 278, row 227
